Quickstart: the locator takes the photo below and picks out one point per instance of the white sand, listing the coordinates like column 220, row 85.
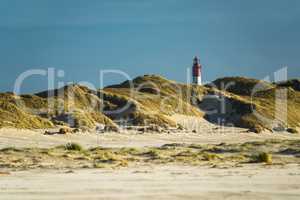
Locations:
column 27, row 138
column 159, row 182
column 206, row 133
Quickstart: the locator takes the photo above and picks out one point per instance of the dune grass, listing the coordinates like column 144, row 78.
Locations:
column 263, row 98
column 152, row 100
column 73, row 155
column 262, row 157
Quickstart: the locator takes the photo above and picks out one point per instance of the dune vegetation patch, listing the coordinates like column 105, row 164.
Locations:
column 262, row 157
column 74, row 156
column 259, row 105
column 73, row 147
column 154, row 100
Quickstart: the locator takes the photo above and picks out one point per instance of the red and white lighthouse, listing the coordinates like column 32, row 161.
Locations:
column 197, row 72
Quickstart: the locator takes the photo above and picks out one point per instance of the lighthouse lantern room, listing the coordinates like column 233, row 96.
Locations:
column 197, row 72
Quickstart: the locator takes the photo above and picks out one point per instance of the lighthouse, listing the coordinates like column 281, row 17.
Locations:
column 197, row 76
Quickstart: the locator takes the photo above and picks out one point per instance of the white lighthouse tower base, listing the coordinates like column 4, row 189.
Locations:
column 197, row 80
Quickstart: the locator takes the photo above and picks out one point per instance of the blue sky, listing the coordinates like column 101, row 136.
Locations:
column 232, row 37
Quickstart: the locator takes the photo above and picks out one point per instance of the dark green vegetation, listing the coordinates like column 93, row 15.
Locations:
column 262, row 157
column 73, row 147
column 276, row 152
column 152, row 99
column 293, row 83
column 267, row 100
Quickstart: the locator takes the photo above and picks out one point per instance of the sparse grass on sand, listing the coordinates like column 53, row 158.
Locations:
column 73, row 155
column 262, row 157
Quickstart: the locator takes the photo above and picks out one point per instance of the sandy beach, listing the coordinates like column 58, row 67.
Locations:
column 155, row 182
column 148, row 181
column 149, row 100
column 29, row 138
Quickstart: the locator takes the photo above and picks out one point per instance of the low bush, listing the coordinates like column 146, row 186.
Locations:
column 262, row 158
column 210, row 156
column 292, row 130
column 73, row 147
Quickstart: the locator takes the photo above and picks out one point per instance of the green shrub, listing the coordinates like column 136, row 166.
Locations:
column 292, row 130
column 73, row 147
column 262, row 158
column 210, row 156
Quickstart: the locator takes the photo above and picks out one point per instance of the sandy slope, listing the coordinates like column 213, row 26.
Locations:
column 159, row 182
